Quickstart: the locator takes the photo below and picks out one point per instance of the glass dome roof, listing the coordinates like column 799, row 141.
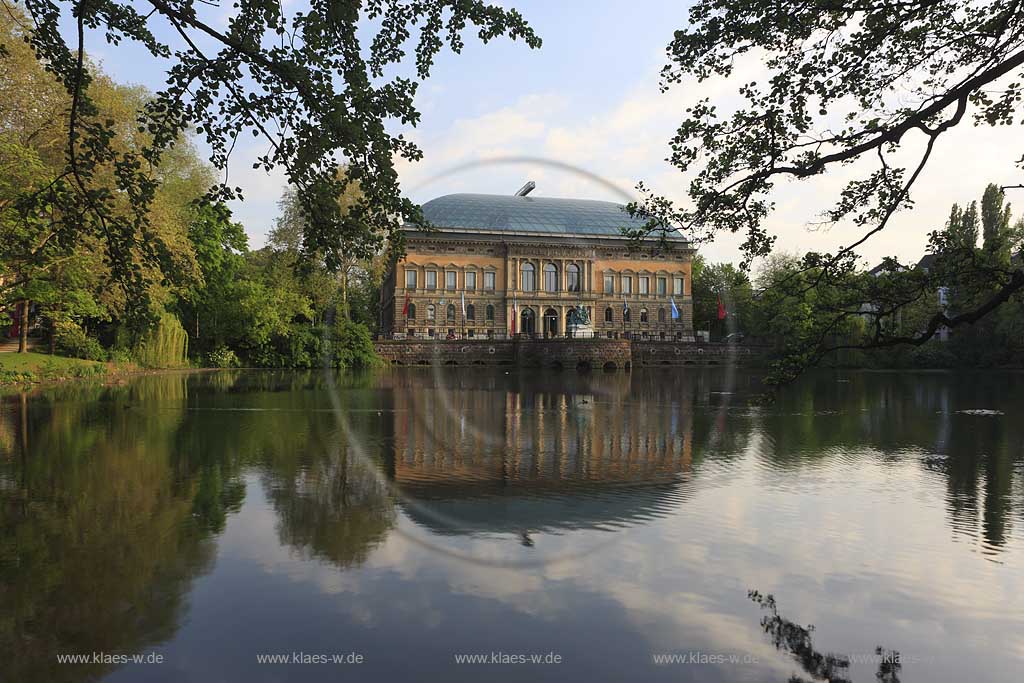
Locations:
column 531, row 215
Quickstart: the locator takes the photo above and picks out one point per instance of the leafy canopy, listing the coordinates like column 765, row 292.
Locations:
column 306, row 82
column 865, row 87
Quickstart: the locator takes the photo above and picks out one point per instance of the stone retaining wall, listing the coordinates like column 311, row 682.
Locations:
column 610, row 354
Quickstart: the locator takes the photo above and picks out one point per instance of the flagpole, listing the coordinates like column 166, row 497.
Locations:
column 625, row 308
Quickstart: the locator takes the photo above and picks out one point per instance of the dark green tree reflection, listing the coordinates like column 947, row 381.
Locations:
column 956, row 425
column 99, row 539
column 336, row 508
column 797, row 641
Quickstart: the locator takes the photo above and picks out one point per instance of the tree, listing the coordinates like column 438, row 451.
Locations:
column 210, row 306
column 306, row 81
column 721, row 281
column 45, row 258
column 962, row 226
column 995, row 222
column 353, row 286
column 868, row 82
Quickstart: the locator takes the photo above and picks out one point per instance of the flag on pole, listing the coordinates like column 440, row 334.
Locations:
column 405, row 308
column 721, row 309
column 625, row 306
column 513, row 313
column 675, row 311
column 463, row 305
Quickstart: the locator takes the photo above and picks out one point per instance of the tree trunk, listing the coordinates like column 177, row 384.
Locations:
column 344, row 293
column 23, row 332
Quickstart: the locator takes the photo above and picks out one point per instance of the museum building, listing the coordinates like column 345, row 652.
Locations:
column 496, row 266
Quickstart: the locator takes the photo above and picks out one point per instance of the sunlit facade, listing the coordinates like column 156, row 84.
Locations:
column 495, row 266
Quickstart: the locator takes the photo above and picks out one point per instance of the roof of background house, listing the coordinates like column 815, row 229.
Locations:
column 926, row 262
column 497, row 214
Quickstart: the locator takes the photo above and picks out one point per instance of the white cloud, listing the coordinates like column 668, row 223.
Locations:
column 628, row 142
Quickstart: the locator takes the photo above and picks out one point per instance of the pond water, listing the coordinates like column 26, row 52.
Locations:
column 570, row 527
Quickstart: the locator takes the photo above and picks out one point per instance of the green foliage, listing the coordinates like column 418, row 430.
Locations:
column 121, row 356
column 307, row 81
column 962, row 226
column 165, row 345
column 26, row 368
column 995, row 223
column 733, row 286
column 868, row 90
column 72, row 341
column 344, row 344
column 222, row 357
column 352, row 345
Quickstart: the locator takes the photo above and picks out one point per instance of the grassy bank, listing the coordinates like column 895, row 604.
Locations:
column 30, row 368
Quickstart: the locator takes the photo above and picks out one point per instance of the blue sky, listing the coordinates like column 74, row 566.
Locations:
column 589, row 98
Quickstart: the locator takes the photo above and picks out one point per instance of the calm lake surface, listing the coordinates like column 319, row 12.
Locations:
column 416, row 516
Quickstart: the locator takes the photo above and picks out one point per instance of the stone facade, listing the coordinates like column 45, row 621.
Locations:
column 609, row 354
column 543, row 279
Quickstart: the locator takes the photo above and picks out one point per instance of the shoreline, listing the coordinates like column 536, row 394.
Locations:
column 43, row 370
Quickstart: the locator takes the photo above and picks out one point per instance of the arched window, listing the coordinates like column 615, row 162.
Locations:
column 608, row 314
column 410, row 312
column 451, row 312
column 489, row 312
column 430, row 312
column 550, row 278
column 661, row 315
column 470, row 312
column 626, row 315
column 528, row 282
column 573, row 271
column 643, row 315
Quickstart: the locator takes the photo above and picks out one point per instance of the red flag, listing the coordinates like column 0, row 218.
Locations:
column 405, row 308
column 721, row 309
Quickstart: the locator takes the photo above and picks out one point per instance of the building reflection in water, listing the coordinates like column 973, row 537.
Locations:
column 514, row 454
column 112, row 499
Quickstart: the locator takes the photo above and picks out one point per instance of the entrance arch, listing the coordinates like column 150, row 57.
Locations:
column 528, row 322
column 550, row 323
